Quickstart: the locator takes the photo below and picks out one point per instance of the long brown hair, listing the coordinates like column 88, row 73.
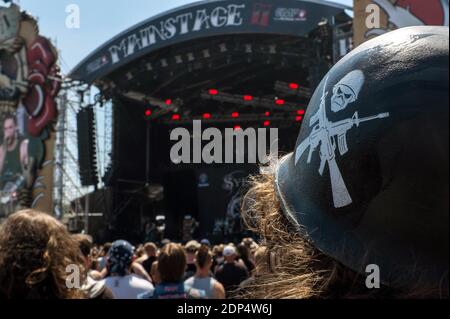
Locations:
column 172, row 263
column 203, row 256
column 35, row 251
column 295, row 269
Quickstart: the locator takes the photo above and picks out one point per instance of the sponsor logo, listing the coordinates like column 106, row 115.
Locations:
column 97, row 64
column 290, row 14
column 203, row 180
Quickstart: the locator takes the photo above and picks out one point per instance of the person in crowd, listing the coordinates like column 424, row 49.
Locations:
column 252, row 246
column 205, row 242
column 94, row 257
column 165, row 241
column 191, row 249
column 261, row 267
column 85, row 243
column 135, row 268
column 140, row 253
column 231, row 273
column 202, row 279
column 35, row 253
column 171, row 268
column 101, row 261
column 218, row 259
column 93, row 288
column 149, row 257
column 373, row 226
column 139, row 270
column 120, row 279
column 154, row 274
column 245, row 257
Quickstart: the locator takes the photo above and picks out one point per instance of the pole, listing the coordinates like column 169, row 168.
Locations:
column 147, row 156
column 61, row 148
column 86, row 215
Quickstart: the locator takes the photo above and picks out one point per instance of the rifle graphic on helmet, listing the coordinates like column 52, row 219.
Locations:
column 324, row 133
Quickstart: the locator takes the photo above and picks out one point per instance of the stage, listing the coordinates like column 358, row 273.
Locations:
column 228, row 64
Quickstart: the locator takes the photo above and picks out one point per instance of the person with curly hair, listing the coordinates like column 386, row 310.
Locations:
column 36, row 252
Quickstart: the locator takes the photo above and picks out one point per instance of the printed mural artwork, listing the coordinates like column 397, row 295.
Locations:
column 395, row 14
column 29, row 84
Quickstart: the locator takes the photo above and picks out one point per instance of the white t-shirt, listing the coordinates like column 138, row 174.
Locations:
column 128, row 287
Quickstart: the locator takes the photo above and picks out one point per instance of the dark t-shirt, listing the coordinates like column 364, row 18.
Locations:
column 147, row 264
column 230, row 275
column 249, row 264
column 190, row 271
column 12, row 167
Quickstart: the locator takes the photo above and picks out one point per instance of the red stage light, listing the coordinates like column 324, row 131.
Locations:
column 301, row 112
column 267, row 113
column 237, row 128
column 235, row 115
column 267, row 123
column 248, row 98
column 148, row 113
column 176, row 117
column 206, row 116
column 168, row 102
column 213, row 92
column 299, row 118
column 294, row 86
column 280, row 102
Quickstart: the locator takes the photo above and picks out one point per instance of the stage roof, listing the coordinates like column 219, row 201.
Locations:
column 204, row 20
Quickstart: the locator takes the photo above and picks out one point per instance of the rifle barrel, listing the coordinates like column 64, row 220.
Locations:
column 375, row 117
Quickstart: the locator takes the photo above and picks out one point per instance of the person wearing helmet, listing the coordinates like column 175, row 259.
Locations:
column 124, row 284
column 360, row 208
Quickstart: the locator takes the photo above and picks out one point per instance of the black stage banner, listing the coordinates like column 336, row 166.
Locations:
column 205, row 19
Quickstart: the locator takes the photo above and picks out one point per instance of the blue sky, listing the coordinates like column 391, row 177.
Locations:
column 100, row 20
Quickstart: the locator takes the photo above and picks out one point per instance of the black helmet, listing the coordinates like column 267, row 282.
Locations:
column 368, row 180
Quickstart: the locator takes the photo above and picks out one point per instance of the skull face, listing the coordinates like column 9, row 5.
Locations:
column 342, row 96
column 346, row 91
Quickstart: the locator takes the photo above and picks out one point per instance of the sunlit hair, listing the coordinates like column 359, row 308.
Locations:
column 35, row 250
column 140, row 251
column 295, row 268
column 261, row 262
column 243, row 251
column 192, row 247
column 150, row 249
column 218, row 250
column 172, row 263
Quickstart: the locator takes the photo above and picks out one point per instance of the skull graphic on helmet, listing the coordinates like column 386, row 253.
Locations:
column 346, row 91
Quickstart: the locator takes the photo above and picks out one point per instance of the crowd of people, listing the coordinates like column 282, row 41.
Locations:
column 376, row 227
column 38, row 258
